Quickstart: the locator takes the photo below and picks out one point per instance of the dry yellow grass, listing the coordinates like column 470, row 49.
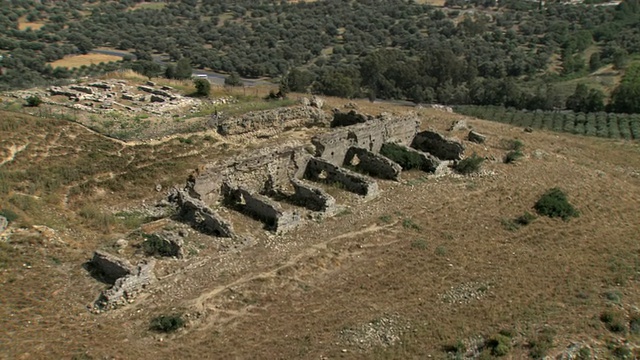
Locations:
column 86, row 59
column 295, row 296
column 23, row 24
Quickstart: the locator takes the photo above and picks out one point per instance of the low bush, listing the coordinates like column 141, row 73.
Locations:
column 419, row 244
column 525, row 219
column 614, row 321
column 167, row 323
column 554, row 203
column 499, row 345
column 512, row 156
column 9, row 214
column 469, row 165
column 34, row 101
column 155, row 245
column 407, row 159
column 634, row 324
column 540, row 345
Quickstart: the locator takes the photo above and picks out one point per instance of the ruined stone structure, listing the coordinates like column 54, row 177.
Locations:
column 348, row 156
column 127, row 280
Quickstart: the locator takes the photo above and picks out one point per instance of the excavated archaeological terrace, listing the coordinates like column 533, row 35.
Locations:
column 284, row 186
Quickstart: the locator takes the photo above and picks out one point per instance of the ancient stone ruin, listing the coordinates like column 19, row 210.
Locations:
column 282, row 186
column 127, row 280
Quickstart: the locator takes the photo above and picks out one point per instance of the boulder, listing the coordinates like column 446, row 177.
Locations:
column 476, row 137
column 4, row 223
column 157, row 98
column 438, row 146
column 110, row 267
column 83, row 89
column 459, row 125
column 127, row 287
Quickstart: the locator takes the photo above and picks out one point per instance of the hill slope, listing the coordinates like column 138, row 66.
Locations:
column 426, row 266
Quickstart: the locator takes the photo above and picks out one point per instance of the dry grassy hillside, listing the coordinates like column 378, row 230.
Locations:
column 428, row 268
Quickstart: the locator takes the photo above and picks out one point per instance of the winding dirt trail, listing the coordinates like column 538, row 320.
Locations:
column 13, row 151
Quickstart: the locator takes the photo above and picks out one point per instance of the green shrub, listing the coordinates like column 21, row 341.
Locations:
column 634, row 324
column 9, row 214
column 409, row 224
column 499, row 344
column 469, row 165
column 554, row 203
column 167, row 323
column 525, row 219
column 405, row 158
column 622, row 352
column 515, row 145
column 203, row 87
column 512, row 156
column 420, row 244
column 155, row 245
column 540, row 345
column 614, row 321
column 613, row 295
column 34, row 101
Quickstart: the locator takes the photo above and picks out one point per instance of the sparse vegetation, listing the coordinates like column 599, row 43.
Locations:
column 469, row 165
column 405, row 158
column 9, row 214
column 525, row 219
column 614, row 321
column 409, row 224
column 541, row 343
column 34, row 101
column 513, row 156
column 499, row 345
column 420, row 244
column 554, row 203
column 155, row 245
column 97, row 218
column 167, row 323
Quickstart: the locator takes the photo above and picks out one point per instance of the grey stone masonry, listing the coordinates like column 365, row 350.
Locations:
column 373, row 164
column 324, row 171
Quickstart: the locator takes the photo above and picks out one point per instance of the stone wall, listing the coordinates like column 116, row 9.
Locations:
column 324, row 171
column 371, row 135
column 438, row 146
column 312, row 197
column 261, row 171
column 127, row 287
column 373, row 164
column 348, row 118
column 271, row 122
column 201, row 215
column 110, row 267
column 262, row 208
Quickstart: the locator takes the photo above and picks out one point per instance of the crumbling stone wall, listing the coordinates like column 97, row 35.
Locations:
column 127, row 287
column 272, row 121
column 438, row 146
column 324, row 171
column 262, row 208
column 200, row 214
column 261, row 171
column 410, row 158
column 312, row 197
column 348, row 118
column 373, row 164
column 110, row 267
column 371, row 135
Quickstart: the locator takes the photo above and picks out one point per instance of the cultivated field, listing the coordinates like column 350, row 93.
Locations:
column 85, row 59
column 429, row 269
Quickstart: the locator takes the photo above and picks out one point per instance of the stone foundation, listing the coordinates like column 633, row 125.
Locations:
column 373, row 164
column 324, row 171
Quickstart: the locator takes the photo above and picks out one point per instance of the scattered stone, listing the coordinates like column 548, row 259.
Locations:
column 158, row 187
column 166, row 243
column 157, row 98
column 129, row 97
column 127, row 287
column 110, row 267
column 83, row 89
column 316, row 102
column 151, row 83
column 438, row 146
column 122, row 243
column 476, row 137
column 528, row 129
column 459, row 125
column 349, row 118
column 4, row 223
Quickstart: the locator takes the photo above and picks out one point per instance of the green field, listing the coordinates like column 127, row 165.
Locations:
column 607, row 125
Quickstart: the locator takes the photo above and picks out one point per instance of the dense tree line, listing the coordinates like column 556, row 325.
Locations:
column 470, row 52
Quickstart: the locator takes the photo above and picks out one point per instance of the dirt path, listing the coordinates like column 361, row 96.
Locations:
column 13, row 151
column 200, row 302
